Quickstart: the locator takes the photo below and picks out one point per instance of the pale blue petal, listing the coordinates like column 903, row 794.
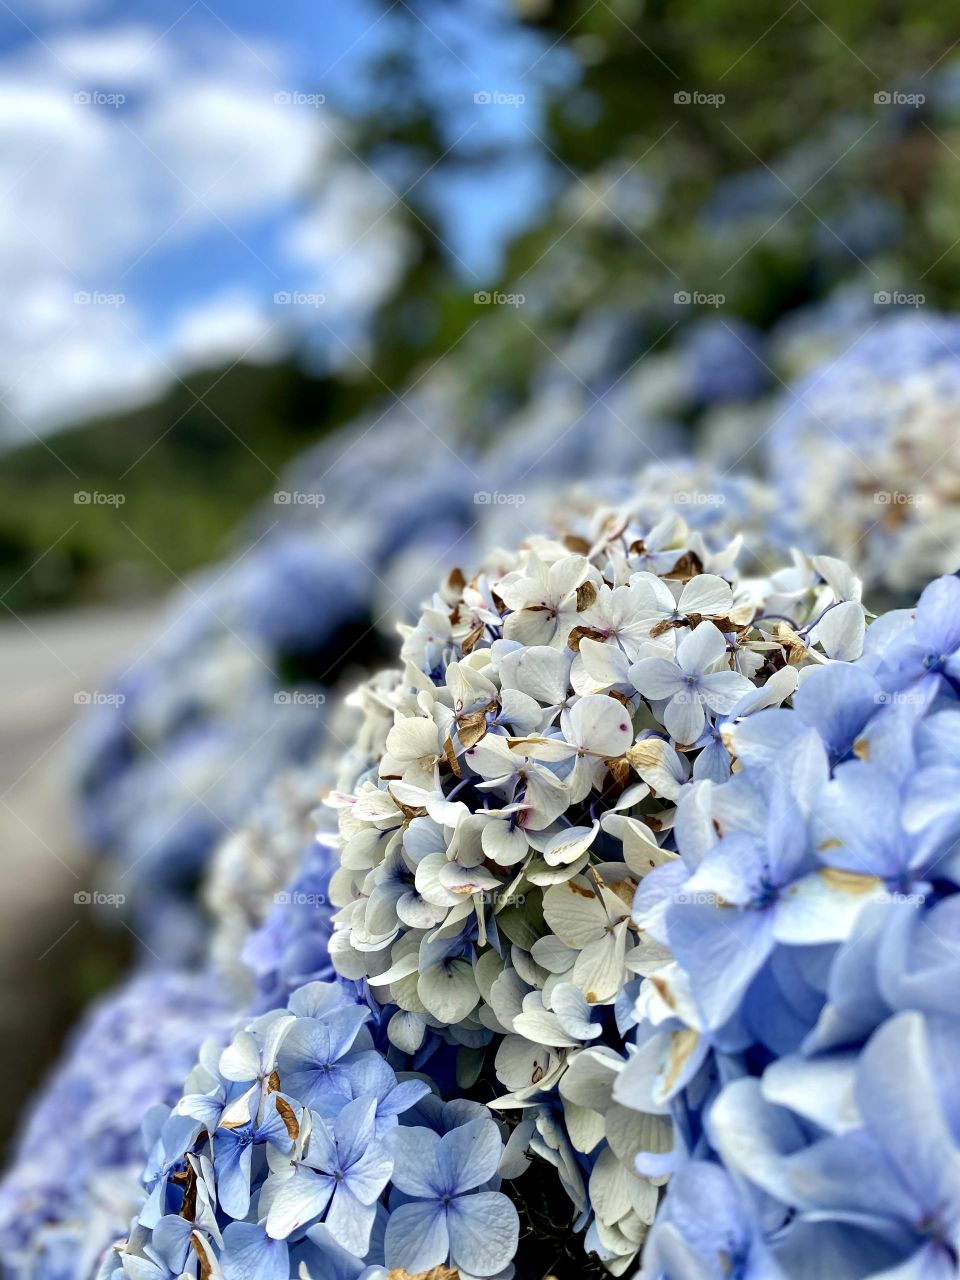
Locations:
column 415, row 1154
column 232, row 1160
column 417, row 1237
column 484, row 1230
column 468, row 1156
column 250, row 1254
column 722, row 948
column 657, row 678
column 349, row 1221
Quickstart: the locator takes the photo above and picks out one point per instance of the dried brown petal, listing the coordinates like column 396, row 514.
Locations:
column 668, row 624
column 206, row 1267
column 619, row 772
column 408, row 811
column 188, row 1178
column 796, row 649
column 472, row 639
column 689, row 565
column 579, row 633
column 451, row 757
column 586, row 594
column 472, row 727
column 621, row 698
column 288, row 1116
column 580, row 546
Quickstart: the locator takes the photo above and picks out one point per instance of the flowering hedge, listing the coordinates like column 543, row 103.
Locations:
column 642, row 892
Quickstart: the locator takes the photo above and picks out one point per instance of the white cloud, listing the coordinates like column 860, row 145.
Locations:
column 224, row 327
column 121, row 150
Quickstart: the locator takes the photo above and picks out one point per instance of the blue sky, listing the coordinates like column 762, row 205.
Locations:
column 178, row 194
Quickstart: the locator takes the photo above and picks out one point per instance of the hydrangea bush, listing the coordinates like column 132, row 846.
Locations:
column 74, row 1177
column 635, row 934
column 643, row 891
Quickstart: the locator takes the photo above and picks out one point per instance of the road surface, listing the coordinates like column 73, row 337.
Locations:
column 44, row 936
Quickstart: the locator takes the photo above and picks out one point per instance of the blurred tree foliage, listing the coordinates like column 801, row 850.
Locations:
column 798, row 179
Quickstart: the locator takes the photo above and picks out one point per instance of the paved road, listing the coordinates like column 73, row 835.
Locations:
column 44, row 661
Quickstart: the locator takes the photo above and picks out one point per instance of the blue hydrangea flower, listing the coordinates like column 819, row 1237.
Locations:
column 476, row 1232
column 338, row 1174
column 810, row 1074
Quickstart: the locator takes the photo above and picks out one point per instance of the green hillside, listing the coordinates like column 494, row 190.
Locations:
column 166, row 484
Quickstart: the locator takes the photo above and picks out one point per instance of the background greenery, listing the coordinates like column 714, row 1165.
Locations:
column 798, row 179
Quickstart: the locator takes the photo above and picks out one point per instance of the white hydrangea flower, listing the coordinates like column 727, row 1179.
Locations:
column 550, row 713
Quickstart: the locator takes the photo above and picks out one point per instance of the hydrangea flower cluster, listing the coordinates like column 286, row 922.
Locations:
column 251, row 873
column 864, row 457
column 74, row 1178
column 297, row 1150
column 644, row 882
column 552, row 712
column 803, row 1029
column 291, row 946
